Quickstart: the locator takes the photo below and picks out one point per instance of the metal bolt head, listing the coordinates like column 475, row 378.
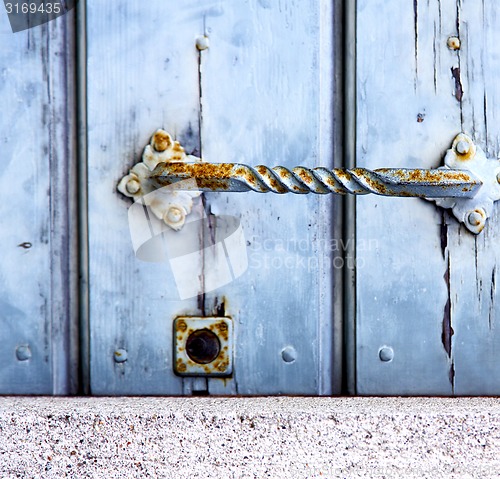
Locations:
column 174, row 215
column 202, row 43
column 133, row 186
column 453, row 43
column 386, row 354
column 181, row 367
column 221, row 367
column 462, row 147
column 161, row 140
column 475, row 218
column 23, row 353
column 120, row 355
column 289, row 354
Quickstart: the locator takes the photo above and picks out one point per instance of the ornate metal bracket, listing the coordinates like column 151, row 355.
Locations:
column 468, row 184
column 171, row 205
column 472, row 212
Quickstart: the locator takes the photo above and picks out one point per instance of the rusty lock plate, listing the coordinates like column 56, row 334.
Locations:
column 203, row 346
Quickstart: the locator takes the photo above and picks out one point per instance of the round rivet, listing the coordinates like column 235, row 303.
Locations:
column 181, row 367
column 289, row 354
column 23, row 353
column 222, row 326
column 161, row 141
column 475, row 218
column 386, row 354
column 120, row 355
column 174, row 215
column 453, row 43
column 203, row 346
column 222, row 367
column 462, row 147
column 202, row 43
column 133, row 186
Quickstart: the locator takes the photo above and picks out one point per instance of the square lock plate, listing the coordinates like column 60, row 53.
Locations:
column 203, row 346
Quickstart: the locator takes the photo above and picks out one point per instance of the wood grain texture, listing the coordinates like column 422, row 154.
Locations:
column 142, row 75
column 37, row 271
column 262, row 94
column 267, row 85
column 474, row 261
column 407, row 116
column 429, row 289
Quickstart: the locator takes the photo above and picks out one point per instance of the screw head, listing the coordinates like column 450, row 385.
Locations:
column 133, row 186
column 453, row 43
column 174, row 214
column 498, row 177
column 462, row 147
column 161, row 140
column 23, row 353
column 181, row 367
column 386, row 354
column 202, row 43
column 120, row 355
column 289, row 354
column 181, row 325
column 475, row 218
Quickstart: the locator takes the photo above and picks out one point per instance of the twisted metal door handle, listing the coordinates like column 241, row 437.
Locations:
column 468, row 183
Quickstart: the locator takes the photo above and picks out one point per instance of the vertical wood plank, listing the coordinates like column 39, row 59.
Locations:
column 474, row 260
column 407, row 117
column 142, row 75
column 38, row 211
column 267, row 88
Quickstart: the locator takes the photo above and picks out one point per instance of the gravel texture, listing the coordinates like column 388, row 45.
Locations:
column 279, row 437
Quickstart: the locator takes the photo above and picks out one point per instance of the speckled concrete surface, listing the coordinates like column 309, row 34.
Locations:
column 249, row 438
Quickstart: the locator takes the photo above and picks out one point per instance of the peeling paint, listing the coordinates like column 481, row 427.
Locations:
column 455, row 73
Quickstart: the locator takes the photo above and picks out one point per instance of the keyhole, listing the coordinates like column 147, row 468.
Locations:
column 203, row 346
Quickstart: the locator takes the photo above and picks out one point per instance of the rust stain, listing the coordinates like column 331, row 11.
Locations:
column 212, row 185
column 345, row 175
column 177, row 147
column 181, row 325
column 162, row 141
column 304, row 176
column 201, row 170
column 251, row 179
column 426, row 176
column 283, row 173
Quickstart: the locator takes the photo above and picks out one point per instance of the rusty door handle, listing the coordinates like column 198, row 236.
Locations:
column 468, row 183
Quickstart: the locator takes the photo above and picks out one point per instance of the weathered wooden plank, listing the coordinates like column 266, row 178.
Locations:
column 37, row 273
column 474, row 260
column 267, row 82
column 407, row 116
column 142, row 75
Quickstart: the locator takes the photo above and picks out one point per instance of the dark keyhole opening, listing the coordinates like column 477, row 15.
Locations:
column 203, row 346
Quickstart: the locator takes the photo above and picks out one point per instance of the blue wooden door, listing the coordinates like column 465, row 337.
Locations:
column 367, row 296
column 262, row 92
